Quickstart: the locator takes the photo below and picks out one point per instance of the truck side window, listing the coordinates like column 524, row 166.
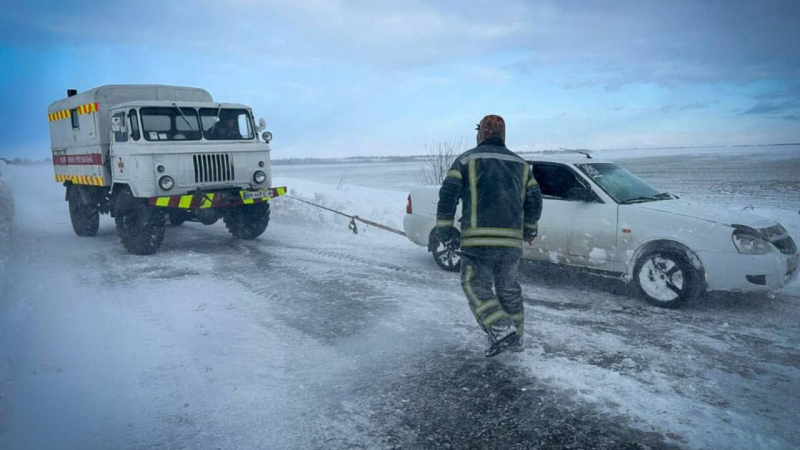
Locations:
column 120, row 136
column 76, row 123
column 134, row 120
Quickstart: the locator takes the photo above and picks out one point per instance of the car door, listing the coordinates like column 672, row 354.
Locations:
column 593, row 232
column 577, row 226
column 552, row 244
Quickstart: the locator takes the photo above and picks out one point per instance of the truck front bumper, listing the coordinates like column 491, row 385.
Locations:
column 218, row 199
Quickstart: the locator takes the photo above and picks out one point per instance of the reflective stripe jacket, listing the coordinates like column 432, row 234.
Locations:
column 501, row 198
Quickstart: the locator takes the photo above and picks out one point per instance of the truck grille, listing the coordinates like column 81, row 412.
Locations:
column 213, row 168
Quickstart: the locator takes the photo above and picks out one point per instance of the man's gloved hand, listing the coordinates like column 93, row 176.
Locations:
column 530, row 237
column 446, row 235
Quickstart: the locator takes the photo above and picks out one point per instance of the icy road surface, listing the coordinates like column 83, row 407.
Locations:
column 311, row 337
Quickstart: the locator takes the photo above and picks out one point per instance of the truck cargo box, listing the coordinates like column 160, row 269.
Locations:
column 80, row 127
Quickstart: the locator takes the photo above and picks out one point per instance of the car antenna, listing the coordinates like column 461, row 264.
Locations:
column 583, row 152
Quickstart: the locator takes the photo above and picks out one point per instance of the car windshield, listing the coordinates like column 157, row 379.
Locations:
column 168, row 124
column 233, row 124
column 621, row 185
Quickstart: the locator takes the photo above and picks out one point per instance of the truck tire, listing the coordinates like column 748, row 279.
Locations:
column 85, row 217
column 176, row 217
column 140, row 226
column 247, row 222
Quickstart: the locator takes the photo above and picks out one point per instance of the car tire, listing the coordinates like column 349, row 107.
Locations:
column 140, row 226
column 666, row 278
column 247, row 222
column 85, row 217
column 447, row 259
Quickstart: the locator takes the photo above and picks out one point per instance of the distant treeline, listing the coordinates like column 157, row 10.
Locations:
column 25, row 162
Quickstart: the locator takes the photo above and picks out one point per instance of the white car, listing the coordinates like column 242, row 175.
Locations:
column 601, row 218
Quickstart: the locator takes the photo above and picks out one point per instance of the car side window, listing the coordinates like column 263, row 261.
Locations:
column 557, row 181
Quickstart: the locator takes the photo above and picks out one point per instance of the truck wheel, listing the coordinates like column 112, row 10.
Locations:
column 176, row 218
column 666, row 278
column 447, row 258
column 85, row 217
column 140, row 227
column 247, row 222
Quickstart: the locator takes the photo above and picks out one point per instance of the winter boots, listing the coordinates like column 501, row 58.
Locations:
column 502, row 336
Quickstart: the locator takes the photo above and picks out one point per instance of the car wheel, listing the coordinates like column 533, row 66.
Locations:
column 448, row 258
column 666, row 278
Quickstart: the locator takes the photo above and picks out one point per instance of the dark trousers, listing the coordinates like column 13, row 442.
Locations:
column 486, row 268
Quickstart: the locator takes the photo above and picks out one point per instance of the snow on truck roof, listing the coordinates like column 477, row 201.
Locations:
column 113, row 94
column 171, row 104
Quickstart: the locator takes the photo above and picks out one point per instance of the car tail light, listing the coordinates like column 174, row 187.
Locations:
column 408, row 206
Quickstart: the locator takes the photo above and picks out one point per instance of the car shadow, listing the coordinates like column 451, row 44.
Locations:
column 560, row 276
column 717, row 301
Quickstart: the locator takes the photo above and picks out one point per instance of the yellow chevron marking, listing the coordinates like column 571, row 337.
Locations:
column 208, row 201
column 186, row 202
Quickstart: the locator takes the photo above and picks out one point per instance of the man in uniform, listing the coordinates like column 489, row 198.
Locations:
column 501, row 207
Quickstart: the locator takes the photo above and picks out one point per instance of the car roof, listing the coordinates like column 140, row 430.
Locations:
column 564, row 158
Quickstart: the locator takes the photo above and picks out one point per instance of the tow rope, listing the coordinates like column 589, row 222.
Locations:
column 352, row 225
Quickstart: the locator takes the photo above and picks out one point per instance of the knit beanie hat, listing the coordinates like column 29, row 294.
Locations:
column 491, row 126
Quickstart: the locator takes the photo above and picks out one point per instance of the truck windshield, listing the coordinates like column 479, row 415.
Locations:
column 167, row 124
column 621, row 185
column 233, row 125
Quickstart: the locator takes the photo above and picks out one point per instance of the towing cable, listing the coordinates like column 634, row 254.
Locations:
column 352, row 225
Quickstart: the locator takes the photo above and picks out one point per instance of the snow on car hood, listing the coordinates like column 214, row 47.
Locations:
column 711, row 213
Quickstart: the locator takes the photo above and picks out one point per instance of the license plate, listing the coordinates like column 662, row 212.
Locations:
column 254, row 195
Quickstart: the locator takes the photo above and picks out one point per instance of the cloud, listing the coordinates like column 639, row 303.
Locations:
column 686, row 107
column 668, row 43
column 771, row 108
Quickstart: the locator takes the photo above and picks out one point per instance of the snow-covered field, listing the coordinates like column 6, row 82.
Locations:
column 6, row 217
column 312, row 337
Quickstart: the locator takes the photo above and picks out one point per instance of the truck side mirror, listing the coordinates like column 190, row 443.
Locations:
column 262, row 125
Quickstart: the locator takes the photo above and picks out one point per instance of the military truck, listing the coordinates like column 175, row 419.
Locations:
column 148, row 154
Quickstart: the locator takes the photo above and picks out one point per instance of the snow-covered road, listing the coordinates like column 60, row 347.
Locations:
column 311, row 337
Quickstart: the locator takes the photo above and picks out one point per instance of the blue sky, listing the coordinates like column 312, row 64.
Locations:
column 351, row 78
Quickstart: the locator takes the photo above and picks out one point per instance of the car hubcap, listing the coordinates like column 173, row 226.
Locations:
column 661, row 279
column 447, row 256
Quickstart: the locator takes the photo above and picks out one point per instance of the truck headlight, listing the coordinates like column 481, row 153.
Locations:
column 166, row 182
column 259, row 176
column 267, row 136
column 750, row 242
